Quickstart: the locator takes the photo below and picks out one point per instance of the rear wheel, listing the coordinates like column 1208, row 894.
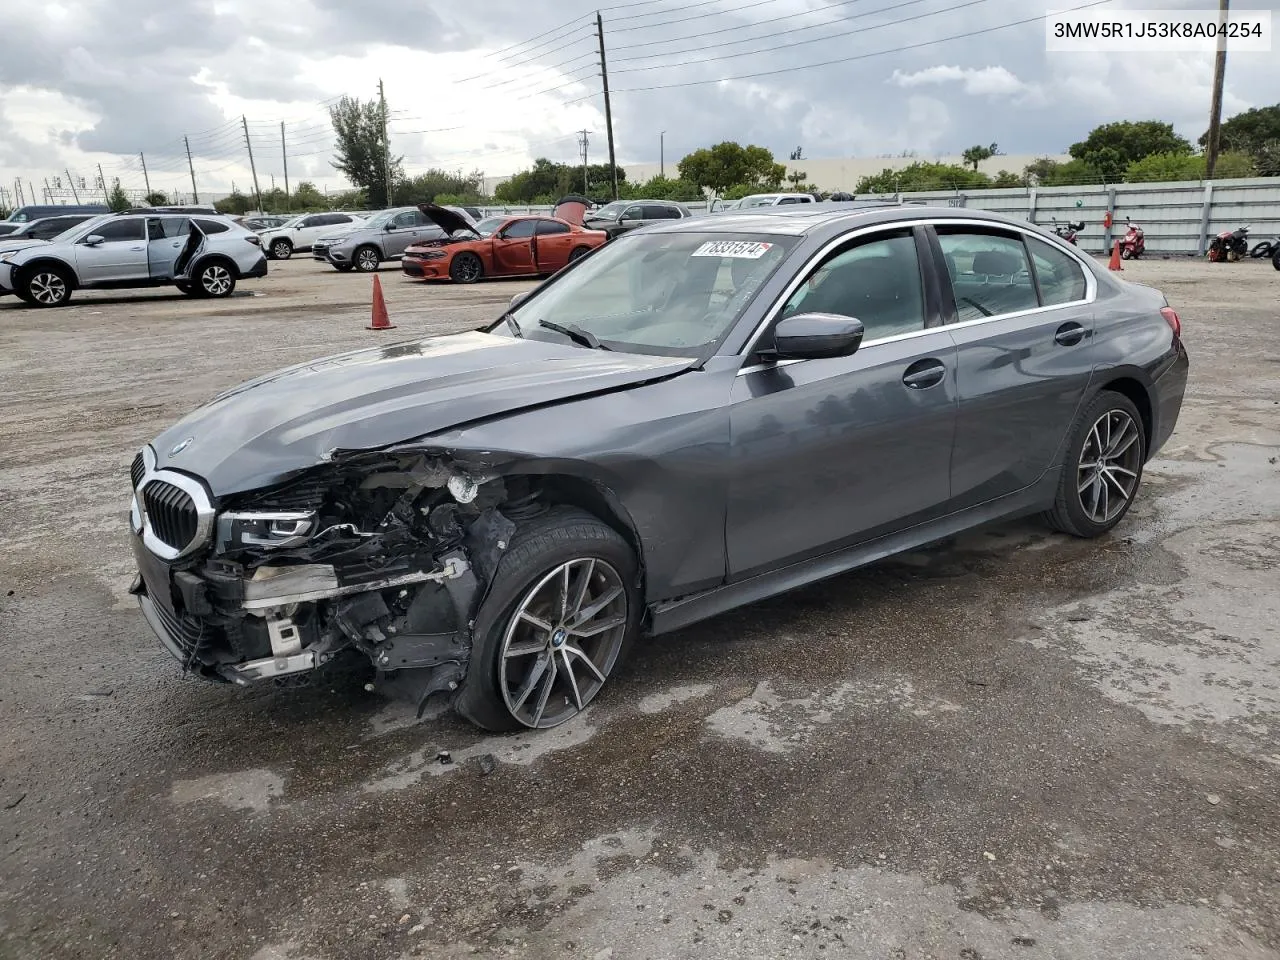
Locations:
column 1103, row 468
column 47, row 287
column 466, row 268
column 559, row 616
column 366, row 259
column 578, row 253
column 281, row 249
column 1126, row 253
column 215, row 279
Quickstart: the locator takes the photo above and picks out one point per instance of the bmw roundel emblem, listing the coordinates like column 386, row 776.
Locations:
column 180, row 447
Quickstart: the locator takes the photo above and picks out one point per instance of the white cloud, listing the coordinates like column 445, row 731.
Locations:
column 979, row 82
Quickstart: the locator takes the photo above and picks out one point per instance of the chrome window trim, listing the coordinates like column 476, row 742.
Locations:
column 193, row 488
column 1090, row 284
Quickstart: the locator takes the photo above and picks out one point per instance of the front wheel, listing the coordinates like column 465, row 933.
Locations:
column 366, row 259
column 466, row 268
column 215, row 280
column 342, row 267
column 1103, row 467
column 47, row 287
column 562, row 609
column 1260, row 250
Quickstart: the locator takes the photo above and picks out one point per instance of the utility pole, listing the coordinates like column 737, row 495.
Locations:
column 145, row 179
column 48, row 194
column 71, row 181
column 252, row 168
column 284, row 155
column 103, row 180
column 386, row 139
column 608, row 109
column 582, row 145
column 195, row 194
column 1215, row 110
column 662, row 154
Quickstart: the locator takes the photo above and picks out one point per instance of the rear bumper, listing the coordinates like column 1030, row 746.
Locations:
column 259, row 269
column 1169, row 387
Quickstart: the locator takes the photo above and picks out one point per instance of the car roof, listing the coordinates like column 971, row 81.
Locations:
column 800, row 219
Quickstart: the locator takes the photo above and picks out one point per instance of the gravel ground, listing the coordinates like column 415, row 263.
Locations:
column 1014, row 745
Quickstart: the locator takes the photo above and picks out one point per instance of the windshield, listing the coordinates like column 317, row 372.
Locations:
column 291, row 222
column 610, row 211
column 81, row 229
column 761, row 200
column 671, row 294
column 487, row 227
column 382, row 219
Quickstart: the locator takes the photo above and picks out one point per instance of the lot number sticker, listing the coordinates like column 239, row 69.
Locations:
column 736, row 249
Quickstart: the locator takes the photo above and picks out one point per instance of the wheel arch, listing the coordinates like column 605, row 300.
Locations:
column 25, row 270
column 214, row 257
column 1134, row 384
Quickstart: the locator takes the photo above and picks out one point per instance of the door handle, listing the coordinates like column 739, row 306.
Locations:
column 137, row 249
column 1069, row 334
column 924, row 373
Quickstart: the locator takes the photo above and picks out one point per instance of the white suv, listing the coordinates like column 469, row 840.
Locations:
column 299, row 234
column 774, row 200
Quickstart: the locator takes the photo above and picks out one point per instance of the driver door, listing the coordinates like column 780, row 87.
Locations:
column 513, row 249
column 832, row 452
column 401, row 232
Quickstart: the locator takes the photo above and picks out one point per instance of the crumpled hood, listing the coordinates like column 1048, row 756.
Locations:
column 267, row 429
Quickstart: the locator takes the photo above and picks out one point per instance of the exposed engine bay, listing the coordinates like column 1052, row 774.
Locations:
column 389, row 554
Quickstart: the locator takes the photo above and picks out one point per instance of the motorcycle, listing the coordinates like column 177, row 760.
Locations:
column 1267, row 248
column 1134, row 242
column 1229, row 245
column 1068, row 232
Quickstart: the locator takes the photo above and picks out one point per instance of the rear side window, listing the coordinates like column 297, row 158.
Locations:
column 114, row 230
column 1061, row 279
column 989, row 273
column 211, row 226
column 51, row 228
column 551, row 226
column 160, row 228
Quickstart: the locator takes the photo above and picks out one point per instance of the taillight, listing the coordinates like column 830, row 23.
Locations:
column 1171, row 318
column 254, row 239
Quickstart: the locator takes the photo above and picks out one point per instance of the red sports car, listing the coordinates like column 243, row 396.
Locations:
column 497, row 247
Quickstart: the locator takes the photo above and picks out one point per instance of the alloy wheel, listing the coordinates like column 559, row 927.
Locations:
column 1107, row 476
column 367, row 260
column 48, row 289
column 562, row 641
column 468, row 269
column 216, row 280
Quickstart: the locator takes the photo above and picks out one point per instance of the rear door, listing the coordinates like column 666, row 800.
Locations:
column 513, row 249
column 1020, row 311
column 166, row 237
column 552, row 242
column 121, row 256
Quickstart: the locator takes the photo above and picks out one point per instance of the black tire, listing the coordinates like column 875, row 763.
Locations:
column 47, row 286
column 1070, row 513
column 281, row 249
column 538, row 547
column 1261, row 250
column 186, row 288
column 366, row 259
column 1275, row 260
column 577, row 253
column 215, row 278
column 466, row 268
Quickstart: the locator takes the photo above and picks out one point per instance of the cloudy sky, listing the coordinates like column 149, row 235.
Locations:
column 492, row 83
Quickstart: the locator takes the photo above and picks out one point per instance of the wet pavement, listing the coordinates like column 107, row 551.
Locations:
column 1013, row 745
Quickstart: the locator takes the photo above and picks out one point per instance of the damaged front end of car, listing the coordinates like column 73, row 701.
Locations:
column 386, row 553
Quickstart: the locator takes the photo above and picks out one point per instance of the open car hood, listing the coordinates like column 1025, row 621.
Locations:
column 270, row 428
column 447, row 219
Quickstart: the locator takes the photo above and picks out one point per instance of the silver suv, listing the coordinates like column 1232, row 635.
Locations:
column 202, row 256
column 383, row 236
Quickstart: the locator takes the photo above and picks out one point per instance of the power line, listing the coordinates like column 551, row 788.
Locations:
column 841, row 60
column 688, row 6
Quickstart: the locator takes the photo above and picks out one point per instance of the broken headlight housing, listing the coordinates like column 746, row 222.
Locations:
column 265, row 529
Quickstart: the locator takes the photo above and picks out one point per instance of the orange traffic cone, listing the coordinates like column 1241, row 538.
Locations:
column 380, row 319
column 1115, row 258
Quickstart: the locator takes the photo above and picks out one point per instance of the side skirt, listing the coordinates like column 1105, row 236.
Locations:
column 675, row 614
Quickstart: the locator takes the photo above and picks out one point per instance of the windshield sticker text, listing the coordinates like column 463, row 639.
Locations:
column 737, row 249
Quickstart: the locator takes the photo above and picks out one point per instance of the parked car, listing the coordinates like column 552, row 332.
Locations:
column 697, row 416
column 39, row 211
column 774, row 200
column 381, row 238
column 300, row 234
column 258, row 224
column 45, row 228
column 720, row 206
column 7, row 228
column 497, row 247
column 189, row 211
column 620, row 216
column 201, row 256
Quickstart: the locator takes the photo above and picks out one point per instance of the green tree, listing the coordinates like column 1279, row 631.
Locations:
column 667, row 188
column 307, row 197
column 729, row 164
column 275, row 200
column 547, row 181
column 425, row 187
column 976, row 154
column 1110, row 148
column 118, row 200
column 235, row 204
column 348, row 200
column 923, row 175
column 1249, row 132
column 157, row 199
column 1007, row 178
column 1267, row 159
column 361, row 149
column 1169, row 167
column 1045, row 172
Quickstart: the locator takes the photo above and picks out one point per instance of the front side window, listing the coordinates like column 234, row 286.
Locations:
column 520, row 230
column 877, row 281
column 406, row 220
column 120, row 230
column 633, row 213
column 610, row 211
column 989, row 272
column 1060, row 278
column 670, row 294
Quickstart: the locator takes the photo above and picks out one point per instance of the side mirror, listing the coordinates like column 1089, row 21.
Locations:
column 389, row 227
column 94, row 240
column 518, row 299
column 814, row 336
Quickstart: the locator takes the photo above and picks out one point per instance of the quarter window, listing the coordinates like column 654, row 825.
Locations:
column 989, row 273
column 877, row 281
column 550, row 226
column 208, row 227
column 1060, row 278
column 114, row 230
